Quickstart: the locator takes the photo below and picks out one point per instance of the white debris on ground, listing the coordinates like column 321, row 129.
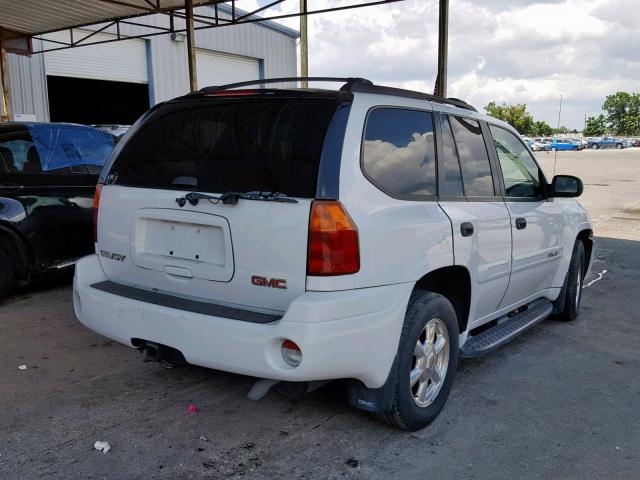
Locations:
column 598, row 277
column 203, row 438
column 22, row 367
column 101, row 446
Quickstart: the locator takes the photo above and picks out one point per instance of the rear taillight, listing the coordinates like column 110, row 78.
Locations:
column 230, row 93
column 96, row 206
column 333, row 240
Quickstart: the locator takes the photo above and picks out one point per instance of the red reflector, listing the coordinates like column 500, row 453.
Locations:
column 230, row 93
column 96, row 206
column 290, row 345
column 333, row 240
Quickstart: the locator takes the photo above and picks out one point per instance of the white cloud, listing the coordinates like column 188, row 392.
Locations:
column 524, row 51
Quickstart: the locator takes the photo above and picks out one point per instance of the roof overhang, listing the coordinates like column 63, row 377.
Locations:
column 34, row 17
column 26, row 19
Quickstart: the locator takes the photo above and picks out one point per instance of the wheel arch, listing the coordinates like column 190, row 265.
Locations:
column 454, row 283
column 585, row 237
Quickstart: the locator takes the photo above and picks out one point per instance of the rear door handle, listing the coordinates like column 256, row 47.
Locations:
column 521, row 223
column 466, row 229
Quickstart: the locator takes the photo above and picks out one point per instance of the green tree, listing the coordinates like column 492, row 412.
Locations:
column 623, row 113
column 596, row 126
column 541, row 129
column 562, row 129
column 515, row 115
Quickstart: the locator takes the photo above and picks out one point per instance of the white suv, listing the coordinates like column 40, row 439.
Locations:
column 368, row 234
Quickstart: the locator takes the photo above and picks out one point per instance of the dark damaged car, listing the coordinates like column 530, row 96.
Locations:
column 48, row 174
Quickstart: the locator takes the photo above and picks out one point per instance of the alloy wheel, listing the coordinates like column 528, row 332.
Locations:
column 430, row 363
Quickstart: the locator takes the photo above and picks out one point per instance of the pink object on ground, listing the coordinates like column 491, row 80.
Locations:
column 191, row 408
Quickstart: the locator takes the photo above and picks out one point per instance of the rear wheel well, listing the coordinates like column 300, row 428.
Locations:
column 585, row 237
column 454, row 283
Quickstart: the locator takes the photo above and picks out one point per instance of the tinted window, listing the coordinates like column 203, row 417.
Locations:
column 14, row 150
column 519, row 170
column 452, row 179
column 399, row 151
column 474, row 159
column 221, row 145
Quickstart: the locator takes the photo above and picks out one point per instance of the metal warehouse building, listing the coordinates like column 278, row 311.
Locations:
column 114, row 83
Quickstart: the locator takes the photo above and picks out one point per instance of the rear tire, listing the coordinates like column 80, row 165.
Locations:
column 427, row 362
column 575, row 276
column 594, row 147
column 619, row 146
column 6, row 271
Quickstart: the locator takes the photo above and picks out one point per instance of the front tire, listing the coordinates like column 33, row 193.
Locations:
column 594, row 147
column 427, row 362
column 6, row 271
column 575, row 276
column 619, row 146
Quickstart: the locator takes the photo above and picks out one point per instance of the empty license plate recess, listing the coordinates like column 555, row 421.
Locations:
column 196, row 244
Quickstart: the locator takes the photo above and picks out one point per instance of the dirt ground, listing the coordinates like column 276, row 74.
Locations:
column 561, row 401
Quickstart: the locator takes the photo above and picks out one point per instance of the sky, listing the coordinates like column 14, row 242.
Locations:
column 516, row 51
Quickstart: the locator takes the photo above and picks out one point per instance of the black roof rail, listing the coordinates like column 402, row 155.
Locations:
column 400, row 92
column 352, row 84
column 349, row 82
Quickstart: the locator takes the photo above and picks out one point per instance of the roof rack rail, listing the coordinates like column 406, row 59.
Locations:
column 400, row 92
column 349, row 82
column 352, row 84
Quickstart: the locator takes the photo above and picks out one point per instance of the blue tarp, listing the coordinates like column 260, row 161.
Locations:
column 61, row 146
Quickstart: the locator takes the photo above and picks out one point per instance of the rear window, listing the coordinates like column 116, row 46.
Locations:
column 221, row 145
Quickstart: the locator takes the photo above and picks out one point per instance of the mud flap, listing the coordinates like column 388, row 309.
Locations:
column 377, row 400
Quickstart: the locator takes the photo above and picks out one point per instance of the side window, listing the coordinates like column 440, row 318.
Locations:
column 474, row 159
column 398, row 153
column 18, row 154
column 452, row 178
column 519, row 170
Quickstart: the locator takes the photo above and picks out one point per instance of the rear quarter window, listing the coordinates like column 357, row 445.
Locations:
column 398, row 151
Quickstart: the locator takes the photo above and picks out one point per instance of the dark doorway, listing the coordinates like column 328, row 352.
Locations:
column 79, row 100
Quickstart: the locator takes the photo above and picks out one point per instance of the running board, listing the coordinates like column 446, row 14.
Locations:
column 507, row 329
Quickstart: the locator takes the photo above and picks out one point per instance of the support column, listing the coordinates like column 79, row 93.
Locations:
column 443, row 49
column 5, row 113
column 304, row 52
column 191, row 46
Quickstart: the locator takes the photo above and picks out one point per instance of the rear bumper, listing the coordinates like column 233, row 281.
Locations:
column 345, row 334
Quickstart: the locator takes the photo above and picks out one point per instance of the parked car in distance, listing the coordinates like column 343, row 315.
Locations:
column 535, row 146
column 369, row 234
column 581, row 141
column 564, row 144
column 48, row 174
column 606, row 142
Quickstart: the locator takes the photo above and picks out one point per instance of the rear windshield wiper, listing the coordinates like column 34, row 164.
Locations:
column 231, row 198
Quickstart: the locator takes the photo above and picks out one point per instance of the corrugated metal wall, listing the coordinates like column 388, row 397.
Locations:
column 167, row 60
column 28, row 86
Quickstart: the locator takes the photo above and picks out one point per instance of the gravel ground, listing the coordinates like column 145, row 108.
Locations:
column 561, row 401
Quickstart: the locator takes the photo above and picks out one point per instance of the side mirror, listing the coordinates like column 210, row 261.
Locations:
column 566, row 186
